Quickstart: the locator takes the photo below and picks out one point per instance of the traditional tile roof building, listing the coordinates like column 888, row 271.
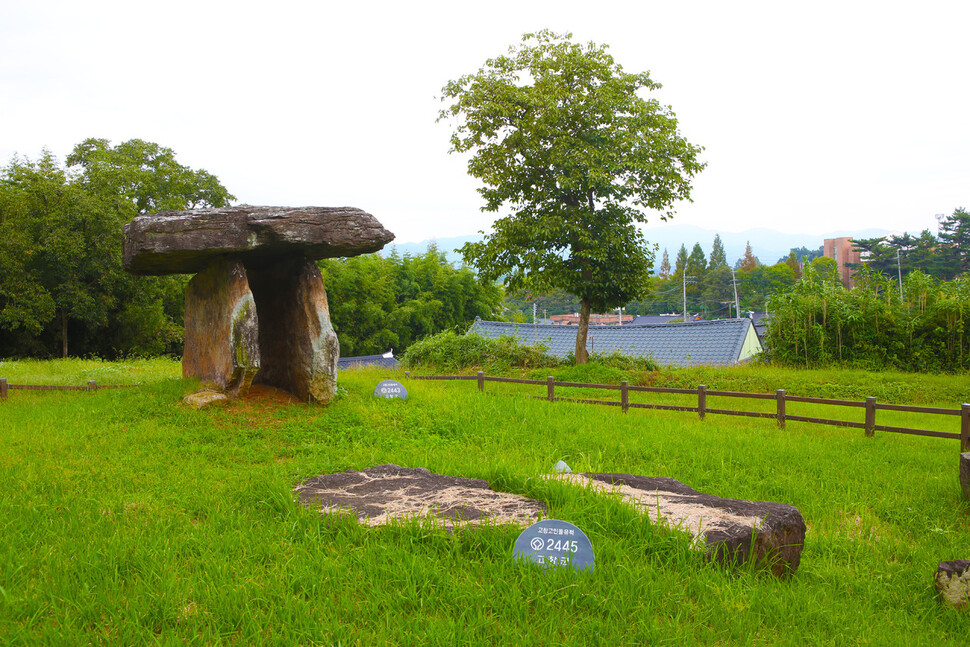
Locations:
column 386, row 360
column 720, row 343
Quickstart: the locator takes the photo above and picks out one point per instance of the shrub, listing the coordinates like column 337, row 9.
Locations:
column 450, row 351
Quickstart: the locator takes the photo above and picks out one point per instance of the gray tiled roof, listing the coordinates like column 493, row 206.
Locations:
column 717, row 342
column 655, row 319
column 367, row 360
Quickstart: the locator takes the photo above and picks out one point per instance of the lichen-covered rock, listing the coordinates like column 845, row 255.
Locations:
column 221, row 328
column 183, row 242
column 953, row 583
column 731, row 531
column 297, row 342
column 383, row 493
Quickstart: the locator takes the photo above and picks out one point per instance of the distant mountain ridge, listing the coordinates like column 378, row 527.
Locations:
column 768, row 245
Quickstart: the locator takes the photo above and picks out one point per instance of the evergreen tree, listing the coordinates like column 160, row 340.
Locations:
column 955, row 236
column 681, row 263
column 664, row 272
column 696, row 262
column 749, row 261
column 718, row 257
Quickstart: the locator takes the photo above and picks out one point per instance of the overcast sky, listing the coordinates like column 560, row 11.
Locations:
column 815, row 116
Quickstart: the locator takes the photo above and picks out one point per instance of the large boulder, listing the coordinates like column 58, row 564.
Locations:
column 731, row 531
column 297, row 343
column 183, row 242
column 378, row 495
column 221, row 328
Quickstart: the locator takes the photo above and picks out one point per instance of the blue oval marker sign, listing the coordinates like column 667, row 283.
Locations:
column 391, row 389
column 555, row 542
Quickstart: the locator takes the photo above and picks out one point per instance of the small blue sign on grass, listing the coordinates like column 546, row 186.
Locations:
column 557, row 543
column 391, row 389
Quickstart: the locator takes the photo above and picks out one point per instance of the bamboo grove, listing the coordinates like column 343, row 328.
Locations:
column 917, row 324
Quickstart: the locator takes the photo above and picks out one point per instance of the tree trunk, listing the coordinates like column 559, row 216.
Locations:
column 64, row 334
column 581, row 334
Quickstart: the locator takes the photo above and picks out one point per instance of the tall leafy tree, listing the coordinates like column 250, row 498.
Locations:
column 562, row 138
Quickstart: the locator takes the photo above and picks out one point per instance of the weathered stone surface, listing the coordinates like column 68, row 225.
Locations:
column 297, row 344
column 965, row 473
column 202, row 399
column 378, row 494
column 730, row 530
column 183, row 242
column 953, row 583
column 221, row 341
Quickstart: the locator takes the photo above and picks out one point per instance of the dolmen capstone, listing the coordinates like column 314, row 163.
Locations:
column 730, row 531
column 256, row 310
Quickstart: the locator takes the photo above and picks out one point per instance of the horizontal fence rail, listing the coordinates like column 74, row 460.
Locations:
column 92, row 385
column 780, row 397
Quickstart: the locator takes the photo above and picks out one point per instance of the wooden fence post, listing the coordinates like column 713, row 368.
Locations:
column 625, row 395
column 481, row 380
column 780, row 399
column 964, row 428
column 701, row 400
column 551, row 388
column 3, row 388
column 92, row 385
column 870, row 417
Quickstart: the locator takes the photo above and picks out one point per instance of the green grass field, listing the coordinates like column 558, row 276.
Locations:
column 127, row 518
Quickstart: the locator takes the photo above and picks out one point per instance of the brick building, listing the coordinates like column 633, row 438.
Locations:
column 841, row 251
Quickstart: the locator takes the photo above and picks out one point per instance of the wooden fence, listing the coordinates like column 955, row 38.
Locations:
column 702, row 392
column 92, row 385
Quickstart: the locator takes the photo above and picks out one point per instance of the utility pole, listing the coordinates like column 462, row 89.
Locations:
column 619, row 316
column 899, row 270
column 737, row 307
column 535, row 324
column 686, row 279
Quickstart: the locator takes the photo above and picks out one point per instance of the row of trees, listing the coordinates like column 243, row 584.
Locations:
column 62, row 286
column 873, row 325
column 710, row 283
column 382, row 303
column 943, row 256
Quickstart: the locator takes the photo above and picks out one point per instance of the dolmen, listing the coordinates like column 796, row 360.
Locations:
column 256, row 310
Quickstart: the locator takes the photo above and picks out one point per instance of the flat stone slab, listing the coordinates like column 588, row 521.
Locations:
column 379, row 494
column 953, row 583
column 183, row 242
column 207, row 398
column 729, row 530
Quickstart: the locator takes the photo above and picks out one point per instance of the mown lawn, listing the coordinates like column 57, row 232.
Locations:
column 126, row 518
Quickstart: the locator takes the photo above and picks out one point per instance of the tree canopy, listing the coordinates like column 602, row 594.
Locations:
column 561, row 138
column 60, row 249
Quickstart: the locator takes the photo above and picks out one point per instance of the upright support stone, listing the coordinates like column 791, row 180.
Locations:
column 296, row 339
column 221, row 341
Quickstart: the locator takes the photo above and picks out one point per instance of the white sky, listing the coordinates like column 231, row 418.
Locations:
column 816, row 116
